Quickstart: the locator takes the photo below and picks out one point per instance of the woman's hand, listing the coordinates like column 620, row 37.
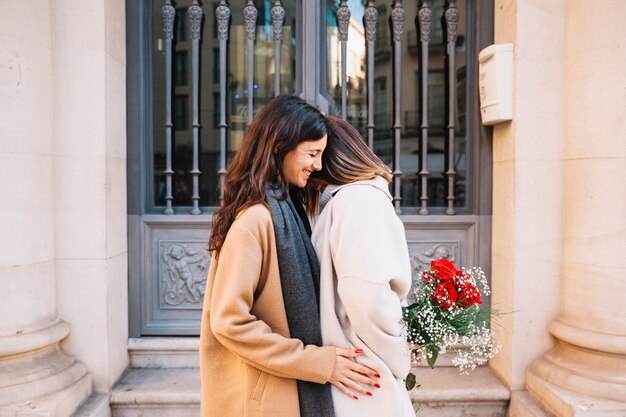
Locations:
column 348, row 375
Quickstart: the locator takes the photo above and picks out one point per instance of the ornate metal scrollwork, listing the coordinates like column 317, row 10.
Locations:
column 222, row 14
column 250, row 14
column 424, row 16
column 195, row 20
column 185, row 276
column 370, row 17
column 452, row 20
column 278, row 20
column 343, row 20
column 397, row 17
column 167, row 14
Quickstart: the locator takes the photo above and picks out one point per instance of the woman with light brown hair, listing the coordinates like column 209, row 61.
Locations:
column 365, row 272
column 261, row 350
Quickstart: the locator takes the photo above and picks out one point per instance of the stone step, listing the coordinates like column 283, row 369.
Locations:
column 164, row 352
column 445, row 393
column 175, row 392
column 97, row 405
column 525, row 405
column 157, row 392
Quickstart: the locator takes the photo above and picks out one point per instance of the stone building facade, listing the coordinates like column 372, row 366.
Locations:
column 557, row 227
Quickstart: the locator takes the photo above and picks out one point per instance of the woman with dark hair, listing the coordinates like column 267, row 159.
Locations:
column 261, row 349
column 365, row 271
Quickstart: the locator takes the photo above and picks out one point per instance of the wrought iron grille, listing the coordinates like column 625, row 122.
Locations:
column 395, row 70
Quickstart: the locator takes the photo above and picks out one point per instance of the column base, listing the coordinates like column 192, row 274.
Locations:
column 562, row 402
column 584, row 371
column 62, row 403
column 37, row 378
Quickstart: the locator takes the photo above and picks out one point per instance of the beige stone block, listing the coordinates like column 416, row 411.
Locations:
column 596, row 125
column 80, row 207
column 82, row 302
column 80, row 78
column 25, row 79
column 505, row 22
column 595, row 204
column 504, row 142
column 595, row 84
column 538, row 86
column 115, row 30
column 115, row 109
column 79, row 94
column 526, row 257
column 27, row 220
column 93, row 297
column 595, row 241
column 116, row 216
column 593, row 297
column 117, row 320
column 28, row 297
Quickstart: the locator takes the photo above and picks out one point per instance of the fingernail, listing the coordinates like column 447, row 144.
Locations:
column 369, row 393
column 377, row 376
column 377, row 386
column 358, row 351
column 355, row 397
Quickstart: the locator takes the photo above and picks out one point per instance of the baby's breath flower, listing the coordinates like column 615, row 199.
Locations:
column 433, row 327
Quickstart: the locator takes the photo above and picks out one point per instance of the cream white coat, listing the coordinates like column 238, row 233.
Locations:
column 365, row 275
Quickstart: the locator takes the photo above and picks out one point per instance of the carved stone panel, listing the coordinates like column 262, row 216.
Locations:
column 183, row 268
column 174, row 275
column 422, row 253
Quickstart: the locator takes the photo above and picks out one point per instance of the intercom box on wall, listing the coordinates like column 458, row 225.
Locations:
column 495, row 82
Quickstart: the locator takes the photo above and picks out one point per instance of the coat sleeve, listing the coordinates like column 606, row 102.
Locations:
column 370, row 256
column 236, row 328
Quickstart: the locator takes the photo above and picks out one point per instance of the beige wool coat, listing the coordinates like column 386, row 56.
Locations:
column 365, row 274
column 248, row 363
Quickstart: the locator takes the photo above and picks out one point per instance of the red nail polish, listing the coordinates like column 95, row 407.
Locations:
column 377, row 375
column 358, row 351
column 355, row 397
column 377, row 386
column 369, row 393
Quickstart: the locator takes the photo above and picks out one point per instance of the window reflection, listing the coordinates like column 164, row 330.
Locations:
column 410, row 97
column 209, row 91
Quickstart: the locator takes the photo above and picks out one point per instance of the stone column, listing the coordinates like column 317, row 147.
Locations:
column 90, row 183
column 527, row 184
column 585, row 374
column 36, row 377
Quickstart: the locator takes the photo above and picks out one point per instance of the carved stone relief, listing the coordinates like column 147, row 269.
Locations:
column 182, row 273
column 422, row 253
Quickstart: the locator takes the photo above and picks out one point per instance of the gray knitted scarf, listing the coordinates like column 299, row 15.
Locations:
column 300, row 281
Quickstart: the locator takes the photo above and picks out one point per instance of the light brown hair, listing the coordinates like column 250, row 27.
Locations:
column 347, row 158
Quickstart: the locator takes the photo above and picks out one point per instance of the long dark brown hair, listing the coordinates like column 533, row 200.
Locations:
column 276, row 130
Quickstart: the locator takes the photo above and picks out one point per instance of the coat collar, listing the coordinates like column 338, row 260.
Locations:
column 379, row 182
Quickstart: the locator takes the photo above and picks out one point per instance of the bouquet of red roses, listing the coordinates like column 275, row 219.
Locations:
column 445, row 315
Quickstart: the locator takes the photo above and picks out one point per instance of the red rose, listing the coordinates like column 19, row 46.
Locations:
column 444, row 269
column 444, row 295
column 469, row 296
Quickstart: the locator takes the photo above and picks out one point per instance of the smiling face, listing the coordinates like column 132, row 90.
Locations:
column 299, row 163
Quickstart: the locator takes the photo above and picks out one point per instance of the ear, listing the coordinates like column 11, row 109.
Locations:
column 276, row 148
